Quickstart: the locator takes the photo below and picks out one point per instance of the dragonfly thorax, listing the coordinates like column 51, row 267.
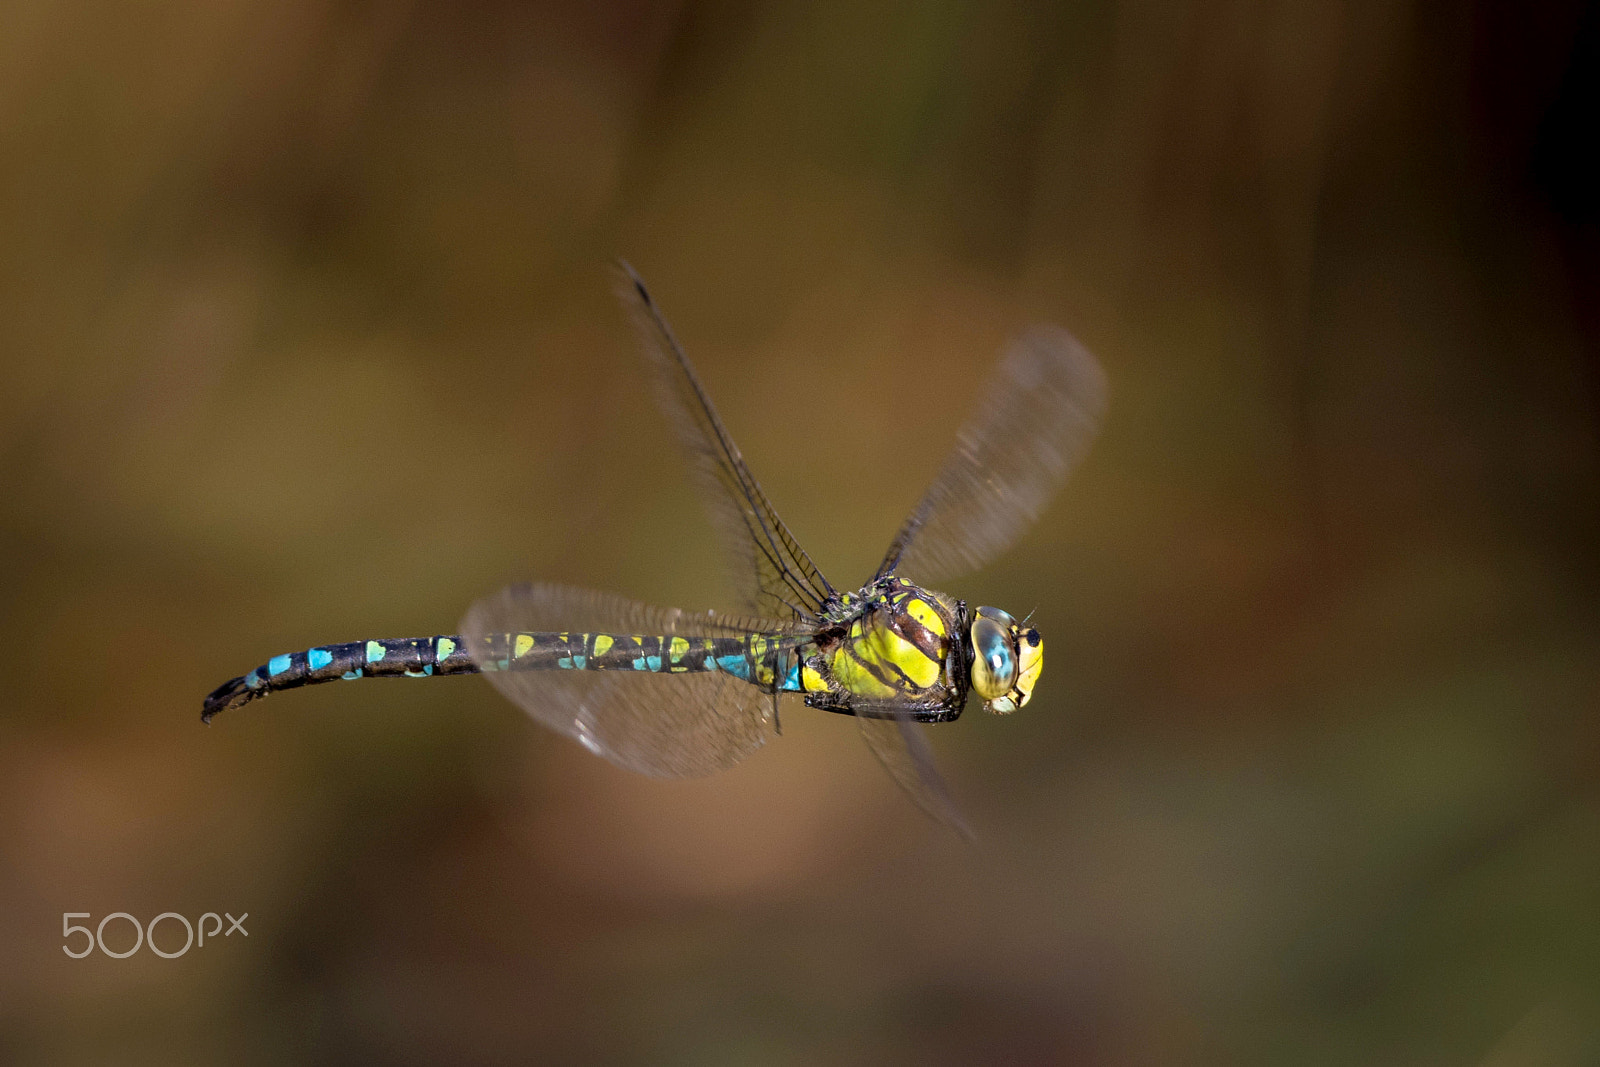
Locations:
column 891, row 645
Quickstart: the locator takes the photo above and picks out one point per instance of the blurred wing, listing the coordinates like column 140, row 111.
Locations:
column 663, row 725
column 1032, row 426
column 775, row 576
column 903, row 750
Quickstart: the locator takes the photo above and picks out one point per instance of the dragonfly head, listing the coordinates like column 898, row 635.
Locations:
column 1007, row 657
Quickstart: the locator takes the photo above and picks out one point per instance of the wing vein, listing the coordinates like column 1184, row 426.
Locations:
column 1030, row 429
column 776, row 571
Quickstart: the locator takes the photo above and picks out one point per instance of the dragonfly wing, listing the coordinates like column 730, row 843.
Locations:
column 903, row 749
column 664, row 725
column 774, row 574
column 1031, row 427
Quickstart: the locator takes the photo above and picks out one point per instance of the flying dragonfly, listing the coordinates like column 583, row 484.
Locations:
column 677, row 694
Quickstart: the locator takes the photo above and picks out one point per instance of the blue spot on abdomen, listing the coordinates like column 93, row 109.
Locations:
column 319, row 658
column 277, row 665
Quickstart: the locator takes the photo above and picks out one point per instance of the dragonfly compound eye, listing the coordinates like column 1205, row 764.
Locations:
column 994, row 658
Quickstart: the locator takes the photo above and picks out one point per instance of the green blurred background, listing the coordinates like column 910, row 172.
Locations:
column 308, row 337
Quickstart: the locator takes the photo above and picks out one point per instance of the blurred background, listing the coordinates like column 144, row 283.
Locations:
column 309, row 337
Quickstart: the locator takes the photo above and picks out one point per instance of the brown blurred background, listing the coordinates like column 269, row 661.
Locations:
column 308, row 337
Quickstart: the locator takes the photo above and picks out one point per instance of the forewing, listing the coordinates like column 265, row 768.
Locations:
column 1032, row 426
column 664, row 725
column 904, row 751
column 775, row 577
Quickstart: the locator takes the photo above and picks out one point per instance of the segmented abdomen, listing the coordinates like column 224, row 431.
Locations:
column 762, row 660
column 755, row 658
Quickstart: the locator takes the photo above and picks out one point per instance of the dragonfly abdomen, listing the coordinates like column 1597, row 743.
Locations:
column 656, row 654
column 767, row 661
column 753, row 658
column 408, row 657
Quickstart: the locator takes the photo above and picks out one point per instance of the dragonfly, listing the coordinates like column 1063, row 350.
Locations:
column 684, row 694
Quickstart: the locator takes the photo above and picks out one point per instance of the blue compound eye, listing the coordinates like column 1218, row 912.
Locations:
column 994, row 658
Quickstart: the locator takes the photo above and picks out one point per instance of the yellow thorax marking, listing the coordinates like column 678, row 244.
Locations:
column 882, row 646
column 811, row 680
column 850, row 673
column 887, row 646
column 920, row 610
